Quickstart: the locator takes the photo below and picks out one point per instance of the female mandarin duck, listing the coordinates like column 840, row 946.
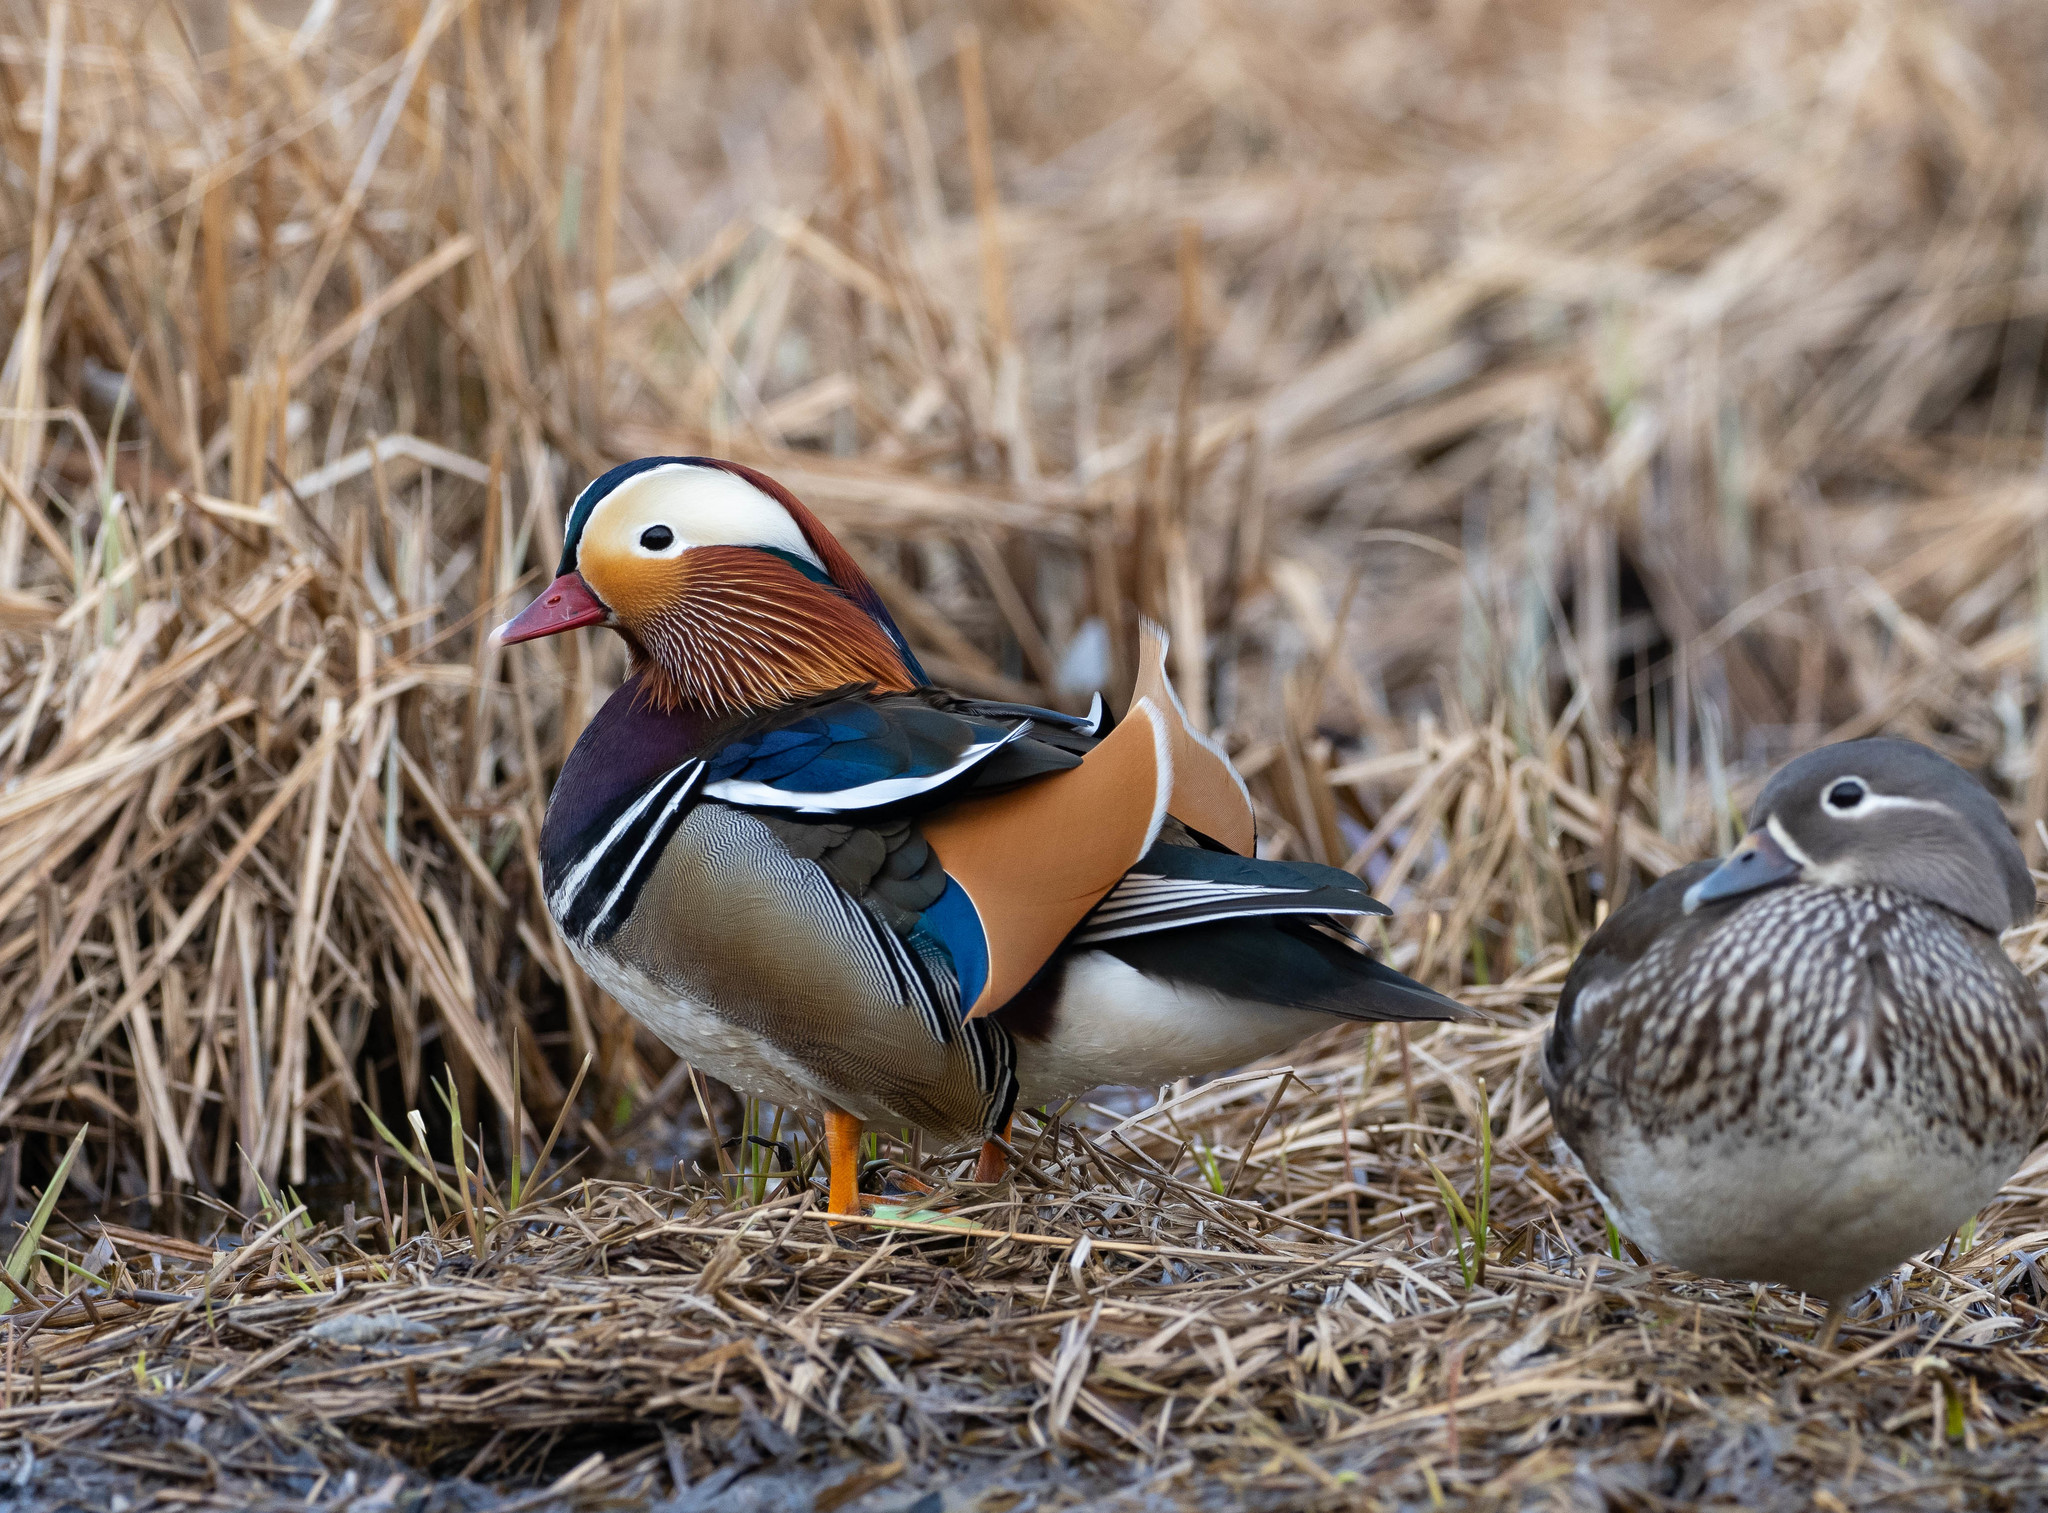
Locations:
column 1811, row 1060
column 836, row 887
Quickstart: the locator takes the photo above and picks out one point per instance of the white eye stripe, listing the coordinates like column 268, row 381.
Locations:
column 1872, row 802
column 1876, row 802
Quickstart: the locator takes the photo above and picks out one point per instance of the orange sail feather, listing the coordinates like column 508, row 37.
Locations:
column 1208, row 794
column 1035, row 860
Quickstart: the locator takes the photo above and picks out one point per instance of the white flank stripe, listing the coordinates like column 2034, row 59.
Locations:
column 1150, row 885
column 1149, row 925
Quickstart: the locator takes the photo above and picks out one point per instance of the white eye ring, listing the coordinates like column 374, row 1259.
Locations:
column 665, row 548
column 1844, row 795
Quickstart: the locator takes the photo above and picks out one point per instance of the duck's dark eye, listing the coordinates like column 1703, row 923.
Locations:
column 657, row 538
column 1846, row 794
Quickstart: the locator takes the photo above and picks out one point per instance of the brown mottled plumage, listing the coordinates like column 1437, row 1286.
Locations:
column 1810, row 1062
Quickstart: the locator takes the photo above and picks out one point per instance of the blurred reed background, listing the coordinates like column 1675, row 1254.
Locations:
column 1531, row 420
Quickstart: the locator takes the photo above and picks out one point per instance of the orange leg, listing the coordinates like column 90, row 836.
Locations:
column 842, row 1146
column 992, row 1163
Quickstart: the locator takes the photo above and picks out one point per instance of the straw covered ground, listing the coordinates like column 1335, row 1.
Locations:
column 1532, row 420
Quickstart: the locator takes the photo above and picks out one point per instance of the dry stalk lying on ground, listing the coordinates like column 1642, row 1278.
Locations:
column 1530, row 420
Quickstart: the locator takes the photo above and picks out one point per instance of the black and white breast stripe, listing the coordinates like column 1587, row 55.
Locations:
column 595, row 896
column 1144, row 902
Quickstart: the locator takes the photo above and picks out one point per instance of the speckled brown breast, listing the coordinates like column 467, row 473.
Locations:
column 1742, row 1015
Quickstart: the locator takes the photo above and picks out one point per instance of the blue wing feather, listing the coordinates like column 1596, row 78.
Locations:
column 956, row 924
column 856, row 754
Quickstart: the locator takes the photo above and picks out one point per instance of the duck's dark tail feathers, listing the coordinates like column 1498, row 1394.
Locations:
column 1285, row 961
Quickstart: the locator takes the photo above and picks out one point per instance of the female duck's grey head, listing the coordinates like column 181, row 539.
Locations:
column 1881, row 813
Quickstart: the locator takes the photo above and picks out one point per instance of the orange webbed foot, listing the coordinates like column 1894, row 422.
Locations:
column 993, row 1164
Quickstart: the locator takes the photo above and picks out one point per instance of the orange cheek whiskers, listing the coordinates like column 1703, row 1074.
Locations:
column 737, row 631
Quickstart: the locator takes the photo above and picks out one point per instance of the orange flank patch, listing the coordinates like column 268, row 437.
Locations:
column 1208, row 795
column 1036, row 859
column 735, row 629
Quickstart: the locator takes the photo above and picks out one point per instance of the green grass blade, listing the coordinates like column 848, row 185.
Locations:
column 1461, row 1222
column 1484, row 1197
column 31, row 1239
column 427, row 1173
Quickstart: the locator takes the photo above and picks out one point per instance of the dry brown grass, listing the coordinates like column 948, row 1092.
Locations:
column 1532, row 420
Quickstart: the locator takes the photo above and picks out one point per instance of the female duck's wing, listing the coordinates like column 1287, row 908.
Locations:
column 1610, row 953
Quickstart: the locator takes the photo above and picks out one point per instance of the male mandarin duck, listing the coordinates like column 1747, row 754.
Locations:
column 839, row 888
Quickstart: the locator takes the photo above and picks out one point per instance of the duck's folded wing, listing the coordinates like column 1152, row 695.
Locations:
column 1255, row 931
column 1607, row 957
column 1174, row 886
column 885, row 865
column 1027, row 866
column 861, row 754
column 1285, row 961
column 1025, row 836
